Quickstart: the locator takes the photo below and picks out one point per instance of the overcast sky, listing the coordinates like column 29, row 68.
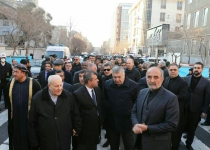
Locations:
column 91, row 17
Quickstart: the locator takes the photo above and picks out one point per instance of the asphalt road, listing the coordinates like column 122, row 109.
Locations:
column 201, row 141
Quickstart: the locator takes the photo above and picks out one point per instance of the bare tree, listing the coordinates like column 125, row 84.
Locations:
column 28, row 23
column 78, row 46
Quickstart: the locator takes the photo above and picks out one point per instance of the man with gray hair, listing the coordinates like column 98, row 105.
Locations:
column 162, row 65
column 53, row 117
column 120, row 94
column 155, row 114
column 76, row 65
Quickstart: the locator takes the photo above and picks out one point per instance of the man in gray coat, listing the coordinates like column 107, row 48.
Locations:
column 155, row 114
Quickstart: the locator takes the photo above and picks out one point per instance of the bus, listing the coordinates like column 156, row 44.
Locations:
column 60, row 51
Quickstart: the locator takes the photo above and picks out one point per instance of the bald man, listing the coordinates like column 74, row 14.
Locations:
column 131, row 71
column 155, row 114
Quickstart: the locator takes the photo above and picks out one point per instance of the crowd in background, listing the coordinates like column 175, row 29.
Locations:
column 124, row 96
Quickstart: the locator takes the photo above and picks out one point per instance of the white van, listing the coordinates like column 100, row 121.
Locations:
column 60, row 51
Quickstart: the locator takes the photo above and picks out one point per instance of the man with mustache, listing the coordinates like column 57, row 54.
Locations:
column 155, row 114
column 197, row 102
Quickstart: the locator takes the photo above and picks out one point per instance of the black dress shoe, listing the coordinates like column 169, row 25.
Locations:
column 106, row 144
column 185, row 136
column 205, row 124
column 189, row 147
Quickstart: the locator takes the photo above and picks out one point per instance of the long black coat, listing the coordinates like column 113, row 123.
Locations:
column 119, row 101
column 11, row 125
column 50, row 126
column 91, row 122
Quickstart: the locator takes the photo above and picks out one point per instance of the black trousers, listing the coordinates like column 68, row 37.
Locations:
column 87, row 147
column 3, row 85
column 114, row 140
column 74, row 143
column 191, row 121
column 177, row 135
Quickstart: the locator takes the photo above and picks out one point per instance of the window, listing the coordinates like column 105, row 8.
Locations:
column 185, row 47
column 1, row 39
column 162, row 16
column 189, row 1
column 196, row 17
column 193, row 46
column 179, row 5
column 163, row 4
column 5, row 22
column 5, row 32
column 205, row 14
column 188, row 21
column 178, row 18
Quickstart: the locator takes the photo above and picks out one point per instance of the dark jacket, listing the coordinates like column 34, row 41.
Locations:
column 41, row 79
column 198, row 99
column 178, row 87
column 165, row 71
column 75, row 87
column 119, row 102
column 143, row 73
column 5, row 72
column 68, row 76
column 76, row 68
column 142, row 83
column 162, row 118
column 50, row 126
column 91, row 121
column 133, row 74
column 67, row 86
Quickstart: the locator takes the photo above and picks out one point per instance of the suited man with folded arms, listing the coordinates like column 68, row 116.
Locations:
column 155, row 114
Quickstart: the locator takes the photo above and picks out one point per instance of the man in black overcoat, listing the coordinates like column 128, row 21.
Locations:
column 178, row 86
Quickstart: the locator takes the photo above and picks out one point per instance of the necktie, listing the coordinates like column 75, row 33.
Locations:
column 94, row 98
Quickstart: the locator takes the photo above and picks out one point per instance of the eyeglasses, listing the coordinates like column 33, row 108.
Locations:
column 76, row 59
column 107, row 69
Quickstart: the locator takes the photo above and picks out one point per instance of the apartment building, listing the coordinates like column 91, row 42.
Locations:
column 146, row 17
column 119, row 29
column 196, row 32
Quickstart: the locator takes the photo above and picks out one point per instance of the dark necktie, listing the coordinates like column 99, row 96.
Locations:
column 94, row 98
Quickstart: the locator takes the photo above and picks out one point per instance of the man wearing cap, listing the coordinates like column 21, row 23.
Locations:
column 57, row 65
column 5, row 74
column 19, row 92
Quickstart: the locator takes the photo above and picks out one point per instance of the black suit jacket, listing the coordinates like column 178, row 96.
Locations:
column 142, row 83
column 162, row 118
column 91, row 121
column 41, row 79
column 67, row 86
column 179, row 88
column 198, row 99
column 76, row 87
column 68, row 76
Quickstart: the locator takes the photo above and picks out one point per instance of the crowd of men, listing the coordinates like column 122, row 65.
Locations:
column 149, row 105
